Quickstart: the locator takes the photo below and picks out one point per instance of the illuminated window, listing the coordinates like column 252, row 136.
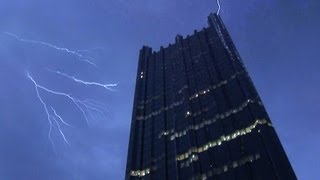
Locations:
column 235, row 164
column 140, row 173
column 222, row 139
column 225, row 168
column 229, row 166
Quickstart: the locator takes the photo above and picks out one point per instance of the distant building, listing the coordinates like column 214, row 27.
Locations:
column 197, row 115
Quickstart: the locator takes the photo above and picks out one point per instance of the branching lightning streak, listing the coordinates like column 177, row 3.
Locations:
column 83, row 58
column 46, row 109
column 77, row 102
column 106, row 86
column 88, row 107
column 60, row 118
column 94, row 103
column 61, row 132
column 219, row 7
column 85, row 106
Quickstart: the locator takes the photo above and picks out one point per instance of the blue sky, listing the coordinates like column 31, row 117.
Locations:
column 278, row 41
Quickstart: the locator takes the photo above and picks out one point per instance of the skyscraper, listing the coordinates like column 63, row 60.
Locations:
column 197, row 114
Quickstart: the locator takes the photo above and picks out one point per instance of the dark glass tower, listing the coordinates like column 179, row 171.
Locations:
column 197, row 115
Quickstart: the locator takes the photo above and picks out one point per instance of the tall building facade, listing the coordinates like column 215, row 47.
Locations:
column 197, row 115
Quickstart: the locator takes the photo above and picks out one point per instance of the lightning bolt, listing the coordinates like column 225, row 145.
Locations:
column 60, row 118
column 81, row 57
column 219, row 7
column 61, row 132
column 46, row 110
column 86, row 107
column 105, row 86
column 83, row 105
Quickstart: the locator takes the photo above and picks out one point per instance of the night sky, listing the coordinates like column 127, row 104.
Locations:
column 278, row 41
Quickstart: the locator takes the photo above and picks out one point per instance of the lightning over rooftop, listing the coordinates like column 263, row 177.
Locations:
column 69, row 70
column 219, row 7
